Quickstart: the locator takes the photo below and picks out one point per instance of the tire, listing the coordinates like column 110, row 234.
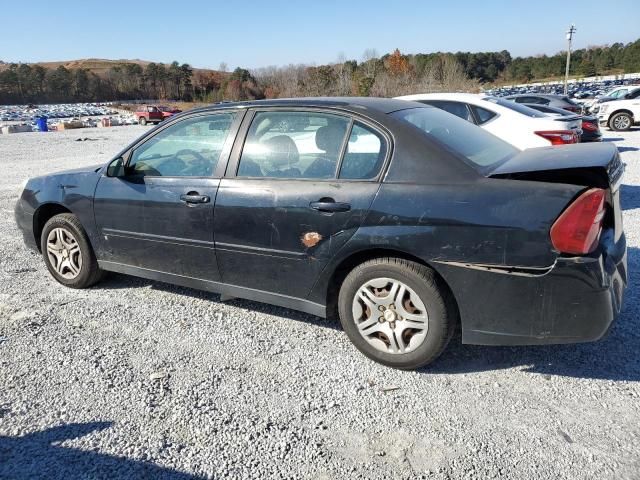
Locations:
column 439, row 307
column 620, row 122
column 142, row 120
column 61, row 235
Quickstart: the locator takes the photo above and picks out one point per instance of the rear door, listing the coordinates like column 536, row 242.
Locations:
column 159, row 216
column 295, row 191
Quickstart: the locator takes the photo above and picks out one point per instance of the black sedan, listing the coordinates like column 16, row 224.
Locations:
column 551, row 100
column 588, row 123
column 399, row 218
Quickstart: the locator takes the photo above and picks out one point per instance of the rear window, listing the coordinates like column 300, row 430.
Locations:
column 529, row 112
column 482, row 150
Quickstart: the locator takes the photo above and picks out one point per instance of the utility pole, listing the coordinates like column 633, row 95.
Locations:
column 570, row 33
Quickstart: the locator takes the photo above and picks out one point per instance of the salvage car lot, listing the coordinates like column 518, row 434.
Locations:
column 134, row 377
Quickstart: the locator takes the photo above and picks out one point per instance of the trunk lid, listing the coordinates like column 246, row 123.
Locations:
column 591, row 165
column 588, row 165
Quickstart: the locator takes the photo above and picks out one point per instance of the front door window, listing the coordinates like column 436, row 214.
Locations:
column 190, row 148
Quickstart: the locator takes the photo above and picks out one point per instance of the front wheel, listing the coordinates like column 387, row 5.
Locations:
column 142, row 121
column 396, row 312
column 620, row 122
column 68, row 253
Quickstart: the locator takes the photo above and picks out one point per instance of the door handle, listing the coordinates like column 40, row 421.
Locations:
column 330, row 206
column 194, row 197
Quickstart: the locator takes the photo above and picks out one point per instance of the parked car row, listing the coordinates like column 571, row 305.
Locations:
column 578, row 90
column 401, row 219
column 28, row 113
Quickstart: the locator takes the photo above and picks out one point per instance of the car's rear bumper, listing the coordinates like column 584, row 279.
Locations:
column 591, row 137
column 576, row 300
column 24, row 221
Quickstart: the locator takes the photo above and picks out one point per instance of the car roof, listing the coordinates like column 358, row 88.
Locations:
column 469, row 97
column 549, row 109
column 355, row 104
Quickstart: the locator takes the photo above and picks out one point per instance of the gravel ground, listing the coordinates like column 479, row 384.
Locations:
column 137, row 379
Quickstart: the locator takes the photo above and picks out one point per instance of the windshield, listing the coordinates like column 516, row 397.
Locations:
column 517, row 107
column 480, row 148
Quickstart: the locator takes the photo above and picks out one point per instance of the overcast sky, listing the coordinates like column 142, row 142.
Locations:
column 206, row 33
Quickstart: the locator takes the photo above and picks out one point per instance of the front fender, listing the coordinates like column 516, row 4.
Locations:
column 72, row 191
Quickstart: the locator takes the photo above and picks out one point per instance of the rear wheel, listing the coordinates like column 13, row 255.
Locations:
column 620, row 122
column 68, row 253
column 142, row 120
column 396, row 312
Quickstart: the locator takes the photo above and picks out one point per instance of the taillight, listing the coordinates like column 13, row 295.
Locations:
column 571, row 109
column 589, row 126
column 559, row 137
column 577, row 229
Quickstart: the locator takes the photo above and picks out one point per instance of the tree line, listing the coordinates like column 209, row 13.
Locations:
column 387, row 75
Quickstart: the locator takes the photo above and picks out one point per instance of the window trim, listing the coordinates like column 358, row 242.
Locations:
column 224, row 153
column 242, row 134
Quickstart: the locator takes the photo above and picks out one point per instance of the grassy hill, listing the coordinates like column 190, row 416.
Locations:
column 97, row 65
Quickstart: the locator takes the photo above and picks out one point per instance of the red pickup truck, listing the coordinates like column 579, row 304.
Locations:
column 154, row 113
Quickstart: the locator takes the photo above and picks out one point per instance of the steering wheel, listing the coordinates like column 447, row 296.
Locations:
column 188, row 151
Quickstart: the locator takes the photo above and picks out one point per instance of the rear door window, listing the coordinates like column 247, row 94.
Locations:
column 364, row 154
column 293, row 144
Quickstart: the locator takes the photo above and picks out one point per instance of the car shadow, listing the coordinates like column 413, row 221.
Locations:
column 630, row 197
column 612, row 358
column 121, row 281
column 38, row 455
column 613, row 139
column 628, row 149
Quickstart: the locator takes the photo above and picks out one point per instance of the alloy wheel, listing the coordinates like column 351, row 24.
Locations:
column 622, row 122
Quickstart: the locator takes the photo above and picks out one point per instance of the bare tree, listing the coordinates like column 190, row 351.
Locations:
column 370, row 61
column 343, row 75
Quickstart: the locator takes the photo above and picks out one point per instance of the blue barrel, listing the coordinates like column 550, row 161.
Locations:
column 41, row 122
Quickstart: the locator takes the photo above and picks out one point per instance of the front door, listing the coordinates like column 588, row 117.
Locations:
column 303, row 184
column 159, row 215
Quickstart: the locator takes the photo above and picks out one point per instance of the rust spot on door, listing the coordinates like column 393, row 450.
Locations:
column 310, row 239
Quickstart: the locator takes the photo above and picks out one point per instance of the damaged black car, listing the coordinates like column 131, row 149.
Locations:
column 401, row 220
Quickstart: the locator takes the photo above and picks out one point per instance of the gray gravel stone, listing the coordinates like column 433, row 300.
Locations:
column 138, row 379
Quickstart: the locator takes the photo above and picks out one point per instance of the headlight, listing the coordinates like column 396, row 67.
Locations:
column 603, row 108
column 22, row 186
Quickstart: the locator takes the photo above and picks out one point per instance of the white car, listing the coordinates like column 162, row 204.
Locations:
column 620, row 115
column 626, row 92
column 521, row 126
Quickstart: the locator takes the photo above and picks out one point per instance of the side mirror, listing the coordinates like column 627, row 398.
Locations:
column 116, row 168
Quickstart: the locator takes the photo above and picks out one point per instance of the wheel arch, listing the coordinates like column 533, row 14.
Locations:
column 354, row 259
column 622, row 110
column 42, row 215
